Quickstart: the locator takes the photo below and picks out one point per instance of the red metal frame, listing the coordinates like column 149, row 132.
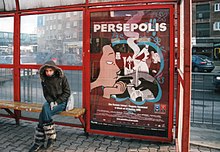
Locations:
column 178, row 66
column 87, row 5
column 187, row 76
column 16, row 66
column 85, row 68
column 64, row 67
column 16, row 62
column 184, row 77
column 171, row 87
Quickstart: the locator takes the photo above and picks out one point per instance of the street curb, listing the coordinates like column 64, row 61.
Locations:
column 203, row 145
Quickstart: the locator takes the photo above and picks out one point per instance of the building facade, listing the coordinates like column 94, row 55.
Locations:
column 206, row 28
column 60, row 32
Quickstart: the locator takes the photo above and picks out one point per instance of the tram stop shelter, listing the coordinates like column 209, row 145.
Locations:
column 118, row 55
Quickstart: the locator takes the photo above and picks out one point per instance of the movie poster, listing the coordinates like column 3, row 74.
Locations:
column 129, row 53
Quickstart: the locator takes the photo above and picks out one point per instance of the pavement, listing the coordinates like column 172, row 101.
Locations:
column 14, row 138
column 209, row 138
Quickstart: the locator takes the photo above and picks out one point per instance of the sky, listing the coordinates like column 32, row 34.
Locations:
column 28, row 24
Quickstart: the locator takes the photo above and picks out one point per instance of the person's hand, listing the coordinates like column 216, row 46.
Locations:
column 120, row 87
column 52, row 105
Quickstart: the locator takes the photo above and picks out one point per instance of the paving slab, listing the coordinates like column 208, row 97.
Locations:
column 205, row 137
column 15, row 138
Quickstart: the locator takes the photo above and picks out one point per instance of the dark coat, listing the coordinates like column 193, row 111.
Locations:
column 55, row 88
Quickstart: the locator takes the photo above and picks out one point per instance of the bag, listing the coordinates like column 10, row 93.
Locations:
column 70, row 103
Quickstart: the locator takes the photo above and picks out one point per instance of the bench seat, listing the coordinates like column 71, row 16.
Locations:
column 34, row 107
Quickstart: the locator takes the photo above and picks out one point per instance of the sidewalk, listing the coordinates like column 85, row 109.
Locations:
column 15, row 138
column 205, row 137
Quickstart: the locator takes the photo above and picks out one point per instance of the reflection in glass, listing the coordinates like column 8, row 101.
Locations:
column 56, row 37
column 6, row 40
column 31, row 89
column 6, row 84
column 99, row 1
column 8, row 5
column 24, row 4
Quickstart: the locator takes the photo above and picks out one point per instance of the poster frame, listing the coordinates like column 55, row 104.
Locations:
column 169, row 138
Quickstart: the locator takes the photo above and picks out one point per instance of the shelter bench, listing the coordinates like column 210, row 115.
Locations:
column 34, row 107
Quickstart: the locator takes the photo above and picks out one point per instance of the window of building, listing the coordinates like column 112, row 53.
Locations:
column 68, row 25
column 217, row 7
column 75, row 23
column 203, row 11
column 216, row 26
column 59, row 26
column 67, row 14
column 203, row 30
column 6, row 35
column 75, row 35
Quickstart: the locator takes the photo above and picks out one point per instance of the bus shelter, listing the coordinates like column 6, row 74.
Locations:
column 119, row 57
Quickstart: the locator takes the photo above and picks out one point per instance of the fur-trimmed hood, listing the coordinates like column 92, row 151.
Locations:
column 50, row 64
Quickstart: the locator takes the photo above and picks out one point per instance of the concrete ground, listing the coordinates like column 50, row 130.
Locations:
column 15, row 138
column 205, row 137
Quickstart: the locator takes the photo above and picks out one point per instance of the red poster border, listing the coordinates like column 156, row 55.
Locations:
column 86, row 75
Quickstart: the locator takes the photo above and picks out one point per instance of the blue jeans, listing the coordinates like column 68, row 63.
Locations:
column 46, row 113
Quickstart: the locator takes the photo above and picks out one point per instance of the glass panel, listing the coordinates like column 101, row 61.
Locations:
column 217, row 7
column 130, row 55
column 2, row 6
column 203, row 29
column 56, row 37
column 24, row 4
column 6, row 40
column 204, row 7
column 31, row 89
column 7, row 5
column 10, row 5
column 100, row 1
column 203, row 11
column 6, row 84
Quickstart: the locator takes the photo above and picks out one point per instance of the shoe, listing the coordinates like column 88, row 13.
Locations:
column 36, row 147
column 50, row 143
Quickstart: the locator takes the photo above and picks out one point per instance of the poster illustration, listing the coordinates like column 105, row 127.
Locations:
column 129, row 90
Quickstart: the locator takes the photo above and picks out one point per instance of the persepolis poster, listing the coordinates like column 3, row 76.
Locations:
column 129, row 53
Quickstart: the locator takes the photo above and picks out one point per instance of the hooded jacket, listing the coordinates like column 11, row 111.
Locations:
column 55, row 88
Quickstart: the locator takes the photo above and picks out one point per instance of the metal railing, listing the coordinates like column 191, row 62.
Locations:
column 30, row 85
column 205, row 103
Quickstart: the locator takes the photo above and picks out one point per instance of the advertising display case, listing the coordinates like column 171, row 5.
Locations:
column 118, row 56
column 131, row 71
